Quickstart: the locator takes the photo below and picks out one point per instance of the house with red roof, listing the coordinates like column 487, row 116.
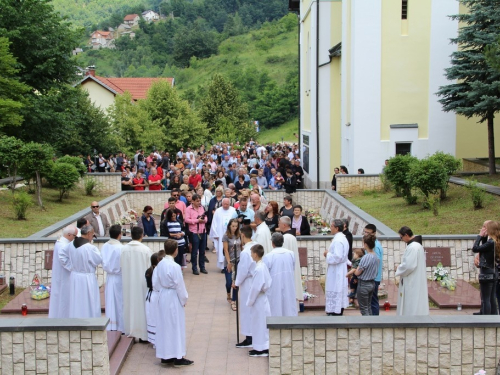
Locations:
column 102, row 39
column 131, row 19
column 103, row 91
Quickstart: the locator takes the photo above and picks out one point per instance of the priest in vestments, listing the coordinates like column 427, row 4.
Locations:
column 84, row 298
column 413, row 295
column 111, row 253
column 171, row 321
column 220, row 220
column 244, row 281
column 290, row 243
column 59, row 289
column 281, row 265
column 262, row 233
column 336, row 288
column 135, row 260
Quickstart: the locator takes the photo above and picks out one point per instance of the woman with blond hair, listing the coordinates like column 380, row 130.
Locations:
column 487, row 244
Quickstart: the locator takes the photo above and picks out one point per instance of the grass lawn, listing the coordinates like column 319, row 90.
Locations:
column 38, row 219
column 5, row 297
column 456, row 215
column 286, row 131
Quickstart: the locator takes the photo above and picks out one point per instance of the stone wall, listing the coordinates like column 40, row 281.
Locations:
column 354, row 183
column 383, row 345
column 462, row 258
column 34, row 348
column 475, row 165
column 110, row 183
column 308, row 199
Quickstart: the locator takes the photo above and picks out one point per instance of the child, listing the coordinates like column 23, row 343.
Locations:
column 151, row 300
column 259, row 304
column 357, row 254
column 171, row 321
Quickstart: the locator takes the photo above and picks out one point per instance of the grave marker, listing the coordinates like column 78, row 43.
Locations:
column 434, row 255
column 49, row 255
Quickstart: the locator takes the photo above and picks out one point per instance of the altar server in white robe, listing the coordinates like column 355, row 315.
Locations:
column 258, row 301
column 220, row 220
column 171, row 323
column 243, row 281
column 84, row 298
column 413, row 295
column 290, row 243
column 262, row 233
column 281, row 263
column 111, row 253
column 336, row 286
column 135, row 260
column 59, row 288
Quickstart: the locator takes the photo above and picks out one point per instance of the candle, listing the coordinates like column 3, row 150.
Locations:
column 24, row 310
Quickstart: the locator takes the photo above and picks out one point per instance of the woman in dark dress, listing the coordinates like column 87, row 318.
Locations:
column 300, row 223
column 241, row 184
column 147, row 222
column 175, row 183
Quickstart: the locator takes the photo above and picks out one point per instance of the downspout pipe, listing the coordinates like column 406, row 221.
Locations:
column 317, row 97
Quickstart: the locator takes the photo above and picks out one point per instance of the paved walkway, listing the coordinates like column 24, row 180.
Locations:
column 489, row 188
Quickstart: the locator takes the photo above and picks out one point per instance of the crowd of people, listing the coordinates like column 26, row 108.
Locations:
column 271, row 166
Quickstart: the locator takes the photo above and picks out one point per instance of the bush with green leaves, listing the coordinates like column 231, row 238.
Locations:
column 450, row 165
column 386, row 184
column 64, row 178
column 428, row 176
column 21, row 202
column 76, row 162
column 478, row 194
column 397, row 174
column 90, row 185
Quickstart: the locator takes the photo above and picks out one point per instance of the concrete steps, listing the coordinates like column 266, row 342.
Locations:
column 118, row 347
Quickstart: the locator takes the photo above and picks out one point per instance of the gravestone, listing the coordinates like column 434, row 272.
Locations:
column 355, row 229
column 335, row 211
column 303, row 256
column 434, row 255
column 111, row 216
column 125, row 205
column 49, row 255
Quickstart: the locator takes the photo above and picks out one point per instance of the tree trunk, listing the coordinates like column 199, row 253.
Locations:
column 491, row 146
column 38, row 187
column 13, row 182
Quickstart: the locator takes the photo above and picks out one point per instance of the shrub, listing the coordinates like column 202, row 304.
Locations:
column 64, row 178
column 90, row 185
column 477, row 194
column 386, row 184
column 433, row 203
column 76, row 162
column 21, row 202
column 428, row 176
column 397, row 174
column 450, row 165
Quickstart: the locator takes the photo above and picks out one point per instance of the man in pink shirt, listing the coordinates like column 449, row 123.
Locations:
column 196, row 219
column 178, row 204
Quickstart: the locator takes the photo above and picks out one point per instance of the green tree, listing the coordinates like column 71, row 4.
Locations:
column 173, row 117
column 11, row 90
column 36, row 162
column 41, row 41
column 64, row 178
column 476, row 87
column 222, row 100
column 194, row 40
column 429, row 176
column 10, row 155
column 76, row 162
column 132, row 127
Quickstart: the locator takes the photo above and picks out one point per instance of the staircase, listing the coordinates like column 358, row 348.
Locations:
column 118, row 348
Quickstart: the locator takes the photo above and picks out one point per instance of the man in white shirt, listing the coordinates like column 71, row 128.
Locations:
column 98, row 221
column 262, row 233
column 59, row 292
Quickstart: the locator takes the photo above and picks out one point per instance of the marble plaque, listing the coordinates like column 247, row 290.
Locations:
column 434, row 255
column 303, row 256
column 49, row 254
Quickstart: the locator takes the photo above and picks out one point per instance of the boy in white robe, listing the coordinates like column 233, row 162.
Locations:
column 281, row 265
column 220, row 220
column 84, row 298
column 171, row 322
column 257, row 300
column 59, row 292
column 290, row 243
column 111, row 253
column 243, row 282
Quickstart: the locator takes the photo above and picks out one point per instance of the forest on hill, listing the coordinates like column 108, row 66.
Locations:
column 251, row 43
